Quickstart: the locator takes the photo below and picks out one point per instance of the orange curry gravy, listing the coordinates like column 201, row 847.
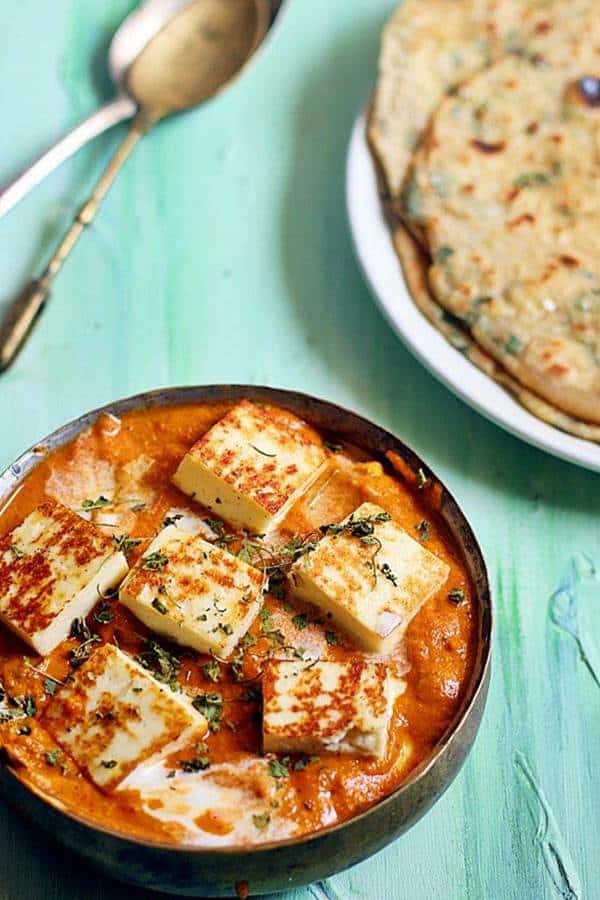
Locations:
column 130, row 461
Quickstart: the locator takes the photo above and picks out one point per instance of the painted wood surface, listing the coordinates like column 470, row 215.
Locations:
column 222, row 254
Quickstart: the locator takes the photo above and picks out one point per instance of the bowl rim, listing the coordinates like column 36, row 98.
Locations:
column 17, row 471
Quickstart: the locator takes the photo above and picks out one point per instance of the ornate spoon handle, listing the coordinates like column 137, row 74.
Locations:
column 23, row 312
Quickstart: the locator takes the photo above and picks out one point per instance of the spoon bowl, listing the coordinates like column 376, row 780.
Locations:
column 135, row 32
column 170, row 55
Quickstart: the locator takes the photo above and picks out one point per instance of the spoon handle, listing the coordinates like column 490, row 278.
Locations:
column 116, row 111
column 24, row 310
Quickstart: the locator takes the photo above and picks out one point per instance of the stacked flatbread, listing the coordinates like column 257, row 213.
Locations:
column 485, row 125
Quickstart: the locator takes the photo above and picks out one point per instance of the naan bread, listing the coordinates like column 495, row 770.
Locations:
column 415, row 265
column 431, row 46
column 509, row 199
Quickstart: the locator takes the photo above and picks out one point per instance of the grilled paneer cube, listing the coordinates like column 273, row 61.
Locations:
column 53, row 568
column 252, row 466
column 340, row 707
column 371, row 576
column 193, row 592
column 114, row 715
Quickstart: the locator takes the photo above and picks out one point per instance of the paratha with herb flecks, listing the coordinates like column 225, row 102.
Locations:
column 509, row 200
column 429, row 47
column 414, row 265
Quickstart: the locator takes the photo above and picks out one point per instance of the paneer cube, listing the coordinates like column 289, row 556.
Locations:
column 197, row 594
column 53, row 568
column 371, row 576
column 338, row 707
column 252, row 466
column 114, row 715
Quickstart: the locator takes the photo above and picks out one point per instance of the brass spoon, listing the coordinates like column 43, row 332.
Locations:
column 168, row 56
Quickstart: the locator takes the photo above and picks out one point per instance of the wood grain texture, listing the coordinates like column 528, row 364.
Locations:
column 222, row 254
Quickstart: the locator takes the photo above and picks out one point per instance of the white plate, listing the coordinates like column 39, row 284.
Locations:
column 382, row 270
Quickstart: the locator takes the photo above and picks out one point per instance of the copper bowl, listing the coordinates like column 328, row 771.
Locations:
column 193, row 871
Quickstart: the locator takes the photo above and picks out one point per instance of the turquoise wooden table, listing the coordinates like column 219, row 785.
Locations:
column 223, row 254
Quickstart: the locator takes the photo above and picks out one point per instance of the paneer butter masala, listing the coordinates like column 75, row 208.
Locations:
column 220, row 627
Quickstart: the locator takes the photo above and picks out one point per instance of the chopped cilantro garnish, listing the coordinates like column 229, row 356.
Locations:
column 513, row 345
column 457, row 596
column 104, row 614
column 279, row 769
column 423, row 528
column 154, row 562
column 237, row 665
column 387, row 573
column 443, row 253
column 211, row 707
column 532, row 179
column 28, row 705
column 218, row 528
column 246, row 554
column 212, row 670
column 362, row 528
column 171, row 520
column 81, row 654
column 216, row 525
column 81, row 630
column 277, row 584
column 124, row 543
column 199, row 762
column 99, row 503
column 265, row 617
column 300, row 621
column 164, row 664
column 159, row 606
column 303, row 762
column 49, row 686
